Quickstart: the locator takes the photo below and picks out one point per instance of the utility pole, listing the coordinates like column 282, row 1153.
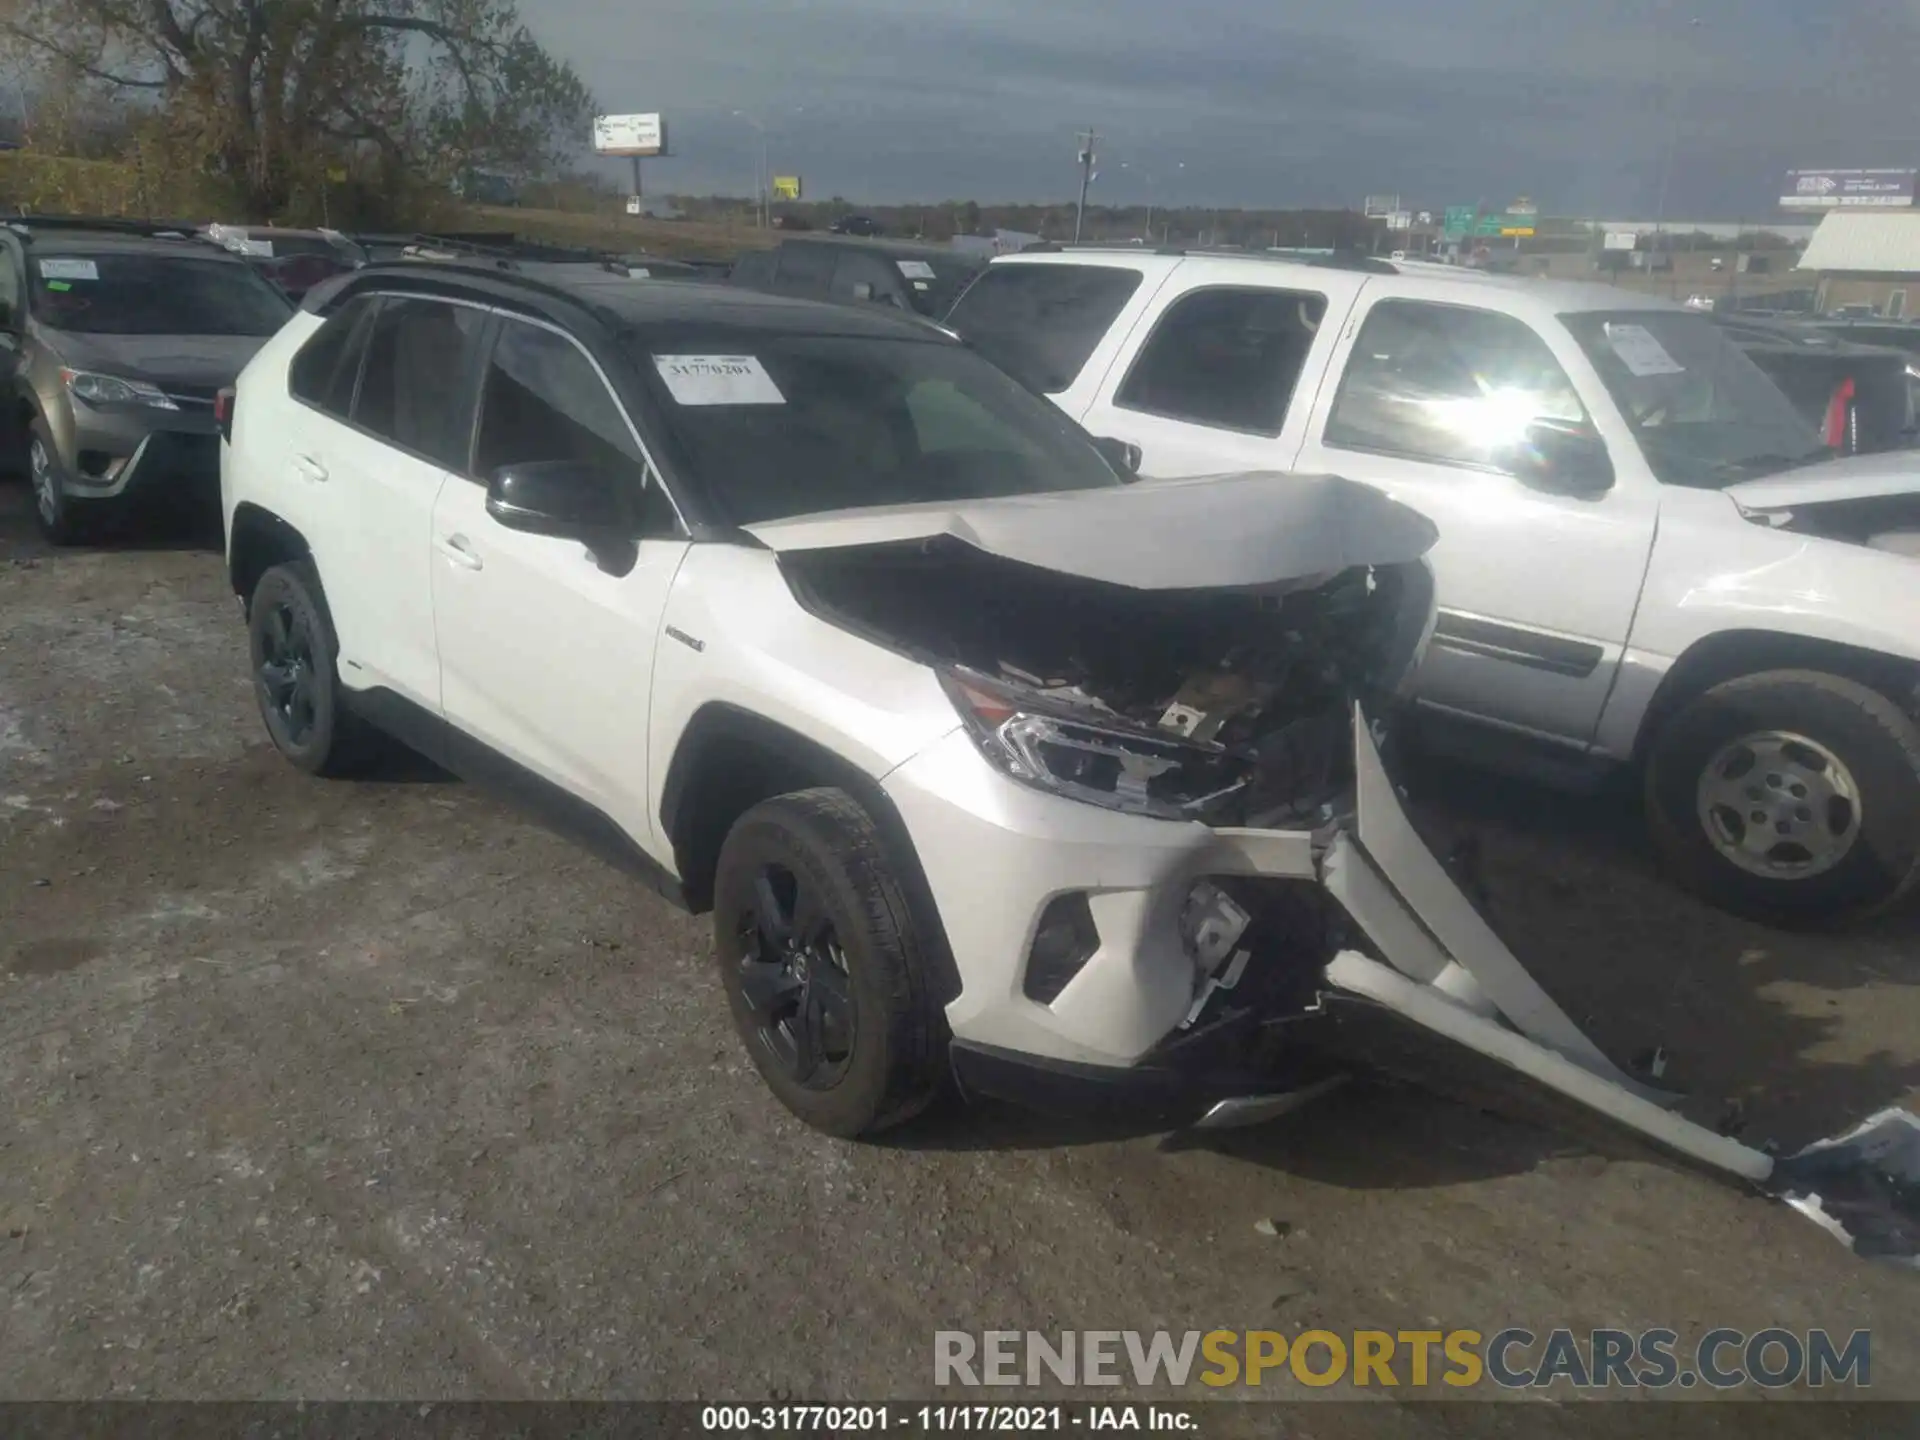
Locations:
column 1088, row 139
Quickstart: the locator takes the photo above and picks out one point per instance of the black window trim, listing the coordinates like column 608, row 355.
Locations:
column 1286, row 412
column 1415, row 457
column 497, row 316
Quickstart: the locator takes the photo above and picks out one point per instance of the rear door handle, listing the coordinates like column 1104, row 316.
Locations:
column 459, row 550
column 310, row 468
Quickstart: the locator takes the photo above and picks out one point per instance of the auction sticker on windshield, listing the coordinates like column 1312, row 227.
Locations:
column 55, row 269
column 718, row 380
column 1640, row 352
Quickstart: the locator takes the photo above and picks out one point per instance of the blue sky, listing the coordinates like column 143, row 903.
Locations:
column 1233, row 102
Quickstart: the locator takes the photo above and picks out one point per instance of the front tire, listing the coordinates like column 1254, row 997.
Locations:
column 822, row 966
column 62, row 520
column 295, row 676
column 1791, row 796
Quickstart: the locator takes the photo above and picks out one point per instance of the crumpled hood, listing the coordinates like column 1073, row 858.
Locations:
column 1211, row 532
column 200, row 360
column 1859, row 477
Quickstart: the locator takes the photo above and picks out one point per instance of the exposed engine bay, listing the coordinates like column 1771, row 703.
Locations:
column 1228, row 706
column 1879, row 522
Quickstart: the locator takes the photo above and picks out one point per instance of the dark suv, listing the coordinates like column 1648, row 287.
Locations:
column 113, row 346
column 923, row 279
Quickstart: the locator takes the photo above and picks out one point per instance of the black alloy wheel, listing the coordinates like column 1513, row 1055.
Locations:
column 795, row 980
column 826, row 972
column 285, row 673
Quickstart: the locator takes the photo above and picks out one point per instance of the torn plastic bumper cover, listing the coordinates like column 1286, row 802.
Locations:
column 1451, row 979
column 1453, row 1009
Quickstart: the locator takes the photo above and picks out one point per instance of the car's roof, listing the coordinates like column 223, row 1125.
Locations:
column 646, row 304
column 1449, row 281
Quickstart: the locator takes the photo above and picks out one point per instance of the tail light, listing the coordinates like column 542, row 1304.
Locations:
column 1840, row 417
column 223, row 412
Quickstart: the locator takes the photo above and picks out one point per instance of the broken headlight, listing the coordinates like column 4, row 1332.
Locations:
column 1095, row 757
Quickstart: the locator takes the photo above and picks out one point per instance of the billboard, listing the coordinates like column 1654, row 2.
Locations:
column 1848, row 190
column 1623, row 240
column 1400, row 220
column 1379, row 207
column 629, row 135
column 786, row 187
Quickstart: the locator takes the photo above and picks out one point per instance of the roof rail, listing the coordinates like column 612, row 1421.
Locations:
column 28, row 224
column 507, row 248
column 1340, row 260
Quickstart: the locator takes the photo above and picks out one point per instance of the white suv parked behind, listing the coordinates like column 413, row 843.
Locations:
column 1646, row 557
column 983, row 759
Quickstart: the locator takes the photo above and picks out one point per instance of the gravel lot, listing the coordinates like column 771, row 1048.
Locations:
column 376, row 1090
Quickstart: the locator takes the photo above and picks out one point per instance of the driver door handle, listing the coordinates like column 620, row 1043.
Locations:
column 459, row 550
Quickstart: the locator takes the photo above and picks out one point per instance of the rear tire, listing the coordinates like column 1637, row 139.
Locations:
column 294, row 655
column 823, row 969
column 1791, row 796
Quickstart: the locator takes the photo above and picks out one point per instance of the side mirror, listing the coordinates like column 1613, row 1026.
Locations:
column 567, row 499
column 1563, row 459
column 1124, row 458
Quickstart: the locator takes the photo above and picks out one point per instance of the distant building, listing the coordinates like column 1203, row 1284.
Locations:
column 1867, row 258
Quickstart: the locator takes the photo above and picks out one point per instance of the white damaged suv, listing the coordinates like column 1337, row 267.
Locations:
column 986, row 761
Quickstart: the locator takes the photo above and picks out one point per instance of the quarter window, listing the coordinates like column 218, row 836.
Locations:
column 417, row 389
column 1226, row 357
column 1450, row 384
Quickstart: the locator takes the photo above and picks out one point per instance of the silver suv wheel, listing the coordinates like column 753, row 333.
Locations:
column 1779, row 805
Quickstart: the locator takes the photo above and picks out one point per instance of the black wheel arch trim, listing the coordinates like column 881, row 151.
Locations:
column 692, row 823
column 254, row 525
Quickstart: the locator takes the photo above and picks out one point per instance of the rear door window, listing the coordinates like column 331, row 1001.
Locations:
column 324, row 372
column 1226, row 357
column 1041, row 323
column 417, row 388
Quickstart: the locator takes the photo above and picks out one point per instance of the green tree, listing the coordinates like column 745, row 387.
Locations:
column 270, row 93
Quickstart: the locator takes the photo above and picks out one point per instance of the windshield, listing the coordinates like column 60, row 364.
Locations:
column 1705, row 415
column 776, row 425
column 137, row 294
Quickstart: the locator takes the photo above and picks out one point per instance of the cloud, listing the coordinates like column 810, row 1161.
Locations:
column 1281, row 103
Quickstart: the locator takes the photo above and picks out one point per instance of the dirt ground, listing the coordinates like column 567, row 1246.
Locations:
column 376, row 1090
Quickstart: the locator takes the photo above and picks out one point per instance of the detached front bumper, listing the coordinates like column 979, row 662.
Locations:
column 1357, row 950
column 1149, row 1024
